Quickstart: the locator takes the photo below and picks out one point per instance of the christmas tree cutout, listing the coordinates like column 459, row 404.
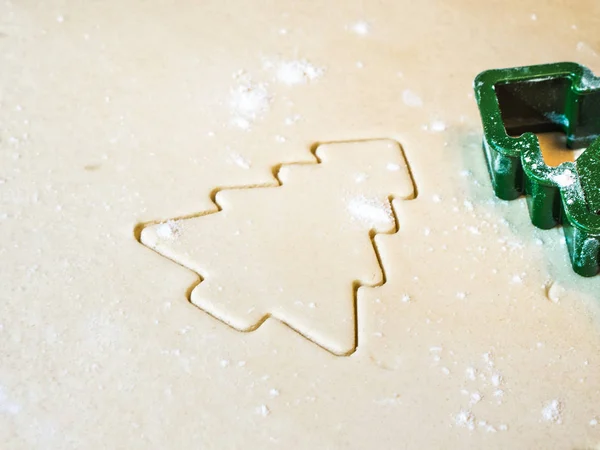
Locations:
column 296, row 251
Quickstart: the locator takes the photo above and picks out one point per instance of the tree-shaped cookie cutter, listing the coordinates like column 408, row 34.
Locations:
column 549, row 97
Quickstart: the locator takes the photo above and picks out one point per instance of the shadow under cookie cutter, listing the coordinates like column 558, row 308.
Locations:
column 549, row 97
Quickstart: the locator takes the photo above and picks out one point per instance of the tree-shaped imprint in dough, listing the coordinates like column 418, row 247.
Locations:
column 296, row 251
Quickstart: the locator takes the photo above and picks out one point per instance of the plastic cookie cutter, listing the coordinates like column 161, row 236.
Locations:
column 516, row 103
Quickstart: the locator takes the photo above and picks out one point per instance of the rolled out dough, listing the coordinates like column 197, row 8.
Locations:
column 472, row 331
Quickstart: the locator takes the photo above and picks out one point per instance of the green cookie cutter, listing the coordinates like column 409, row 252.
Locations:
column 516, row 103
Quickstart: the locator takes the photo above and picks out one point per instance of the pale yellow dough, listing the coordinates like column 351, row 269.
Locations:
column 121, row 121
column 297, row 251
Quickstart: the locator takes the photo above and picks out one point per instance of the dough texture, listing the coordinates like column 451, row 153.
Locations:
column 123, row 122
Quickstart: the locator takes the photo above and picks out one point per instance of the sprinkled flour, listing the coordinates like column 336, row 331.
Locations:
column 370, row 210
column 240, row 161
column 263, row 410
column 249, row 100
column 296, row 72
column 437, row 126
column 6, row 406
column 552, row 411
column 291, row 120
column 465, row 419
column 361, row 28
column 566, row 178
column 170, row 230
column 554, row 292
column 411, row 99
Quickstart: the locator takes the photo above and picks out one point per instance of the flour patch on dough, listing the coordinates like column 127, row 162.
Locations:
column 437, row 126
column 370, row 210
column 552, row 411
column 7, row 406
column 411, row 99
column 169, row 230
column 465, row 419
column 249, row 102
column 362, row 28
column 240, row 161
column 295, row 72
column 263, row 410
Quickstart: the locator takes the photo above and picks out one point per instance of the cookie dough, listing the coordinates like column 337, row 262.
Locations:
column 118, row 115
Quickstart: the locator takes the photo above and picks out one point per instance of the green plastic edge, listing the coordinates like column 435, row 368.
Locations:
column 516, row 165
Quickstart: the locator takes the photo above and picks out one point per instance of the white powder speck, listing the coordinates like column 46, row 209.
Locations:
column 312, row 305
column 554, row 292
column 392, row 167
column 552, row 411
column 465, row 419
column 411, row 99
column 360, row 65
column 297, row 72
column 496, row 379
column 488, row 358
column 470, row 373
column 170, row 230
column 474, row 230
column 445, row 371
column 475, row 398
column 360, row 177
column 241, row 363
column 224, row 363
column 437, row 126
column 263, row 410
column 274, row 392
column 461, row 295
column 594, row 422
column 292, row 119
column 436, row 198
column 516, row 279
column 241, row 122
column 565, row 179
column 393, row 400
column 488, row 428
column 405, row 298
column 280, row 139
column 370, row 210
column 7, row 406
column 249, row 100
column 361, row 28
column 60, row 19
column 240, row 161
column 533, row 17
column 503, row 427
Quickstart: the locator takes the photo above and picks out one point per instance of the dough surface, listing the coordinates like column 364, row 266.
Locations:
column 123, row 122
column 295, row 252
